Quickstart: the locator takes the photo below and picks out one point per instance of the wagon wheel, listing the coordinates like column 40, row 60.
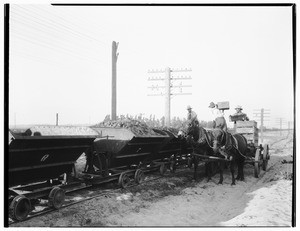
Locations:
column 19, row 208
column 257, row 163
column 138, row 176
column 123, row 180
column 56, row 197
column 266, row 157
column 162, row 169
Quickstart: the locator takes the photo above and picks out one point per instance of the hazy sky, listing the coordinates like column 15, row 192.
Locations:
column 60, row 60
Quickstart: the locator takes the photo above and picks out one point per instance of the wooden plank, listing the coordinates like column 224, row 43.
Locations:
column 250, row 137
column 250, row 123
column 246, row 130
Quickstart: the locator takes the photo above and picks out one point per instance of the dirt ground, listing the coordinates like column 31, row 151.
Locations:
column 178, row 200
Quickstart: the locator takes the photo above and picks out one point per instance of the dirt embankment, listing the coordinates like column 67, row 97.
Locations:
column 180, row 201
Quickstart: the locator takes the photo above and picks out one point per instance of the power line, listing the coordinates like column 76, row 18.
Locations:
column 58, row 48
column 41, row 17
column 96, row 26
column 45, row 30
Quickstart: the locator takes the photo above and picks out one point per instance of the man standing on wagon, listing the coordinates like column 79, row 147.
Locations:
column 192, row 116
column 218, row 117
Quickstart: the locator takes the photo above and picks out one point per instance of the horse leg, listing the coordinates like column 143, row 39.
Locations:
column 232, row 172
column 239, row 176
column 221, row 167
column 196, row 161
column 242, row 169
column 240, row 164
column 208, row 170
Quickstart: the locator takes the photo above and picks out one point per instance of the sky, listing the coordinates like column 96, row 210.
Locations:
column 60, row 61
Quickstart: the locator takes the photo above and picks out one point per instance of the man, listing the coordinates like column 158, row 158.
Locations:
column 192, row 116
column 242, row 116
column 217, row 117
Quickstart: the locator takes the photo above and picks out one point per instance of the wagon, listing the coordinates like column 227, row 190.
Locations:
column 37, row 160
column 257, row 154
column 120, row 153
column 175, row 150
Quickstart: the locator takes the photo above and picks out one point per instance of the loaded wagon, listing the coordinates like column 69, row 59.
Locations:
column 120, row 153
column 176, row 151
column 257, row 154
column 39, row 161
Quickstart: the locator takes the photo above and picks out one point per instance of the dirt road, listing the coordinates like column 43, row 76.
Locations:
column 180, row 201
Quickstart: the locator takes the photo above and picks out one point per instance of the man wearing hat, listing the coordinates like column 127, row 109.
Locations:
column 218, row 117
column 240, row 114
column 191, row 116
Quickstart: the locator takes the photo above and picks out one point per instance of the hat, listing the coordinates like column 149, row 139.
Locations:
column 211, row 105
column 188, row 107
column 239, row 107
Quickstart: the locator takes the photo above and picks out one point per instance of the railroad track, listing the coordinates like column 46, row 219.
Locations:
column 100, row 192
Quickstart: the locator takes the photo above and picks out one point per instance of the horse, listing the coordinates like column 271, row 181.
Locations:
column 201, row 141
column 234, row 147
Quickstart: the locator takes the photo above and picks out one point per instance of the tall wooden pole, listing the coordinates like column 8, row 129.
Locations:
column 168, row 86
column 167, row 97
column 114, row 81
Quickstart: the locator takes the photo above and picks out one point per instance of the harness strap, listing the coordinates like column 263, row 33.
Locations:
column 236, row 142
column 237, row 148
column 206, row 137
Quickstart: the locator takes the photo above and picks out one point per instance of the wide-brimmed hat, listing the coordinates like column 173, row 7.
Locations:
column 188, row 107
column 212, row 105
column 239, row 107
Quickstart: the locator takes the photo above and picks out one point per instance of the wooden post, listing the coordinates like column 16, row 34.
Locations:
column 167, row 97
column 114, row 81
column 56, row 119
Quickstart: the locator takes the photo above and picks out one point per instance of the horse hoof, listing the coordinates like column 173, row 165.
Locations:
column 232, row 183
column 220, row 182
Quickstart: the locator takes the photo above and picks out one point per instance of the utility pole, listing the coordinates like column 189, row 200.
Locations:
column 169, row 87
column 280, row 121
column 289, row 127
column 114, row 81
column 262, row 114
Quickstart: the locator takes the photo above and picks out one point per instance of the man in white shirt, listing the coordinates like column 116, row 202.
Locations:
column 192, row 116
column 217, row 117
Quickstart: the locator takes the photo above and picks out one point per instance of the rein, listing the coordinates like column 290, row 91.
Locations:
column 206, row 138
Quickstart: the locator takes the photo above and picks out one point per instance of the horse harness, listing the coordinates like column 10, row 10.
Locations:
column 229, row 145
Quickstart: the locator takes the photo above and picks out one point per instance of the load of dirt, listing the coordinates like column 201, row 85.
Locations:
column 173, row 131
column 137, row 127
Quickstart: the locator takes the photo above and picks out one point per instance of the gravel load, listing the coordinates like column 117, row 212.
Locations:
column 174, row 131
column 136, row 127
column 51, row 130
